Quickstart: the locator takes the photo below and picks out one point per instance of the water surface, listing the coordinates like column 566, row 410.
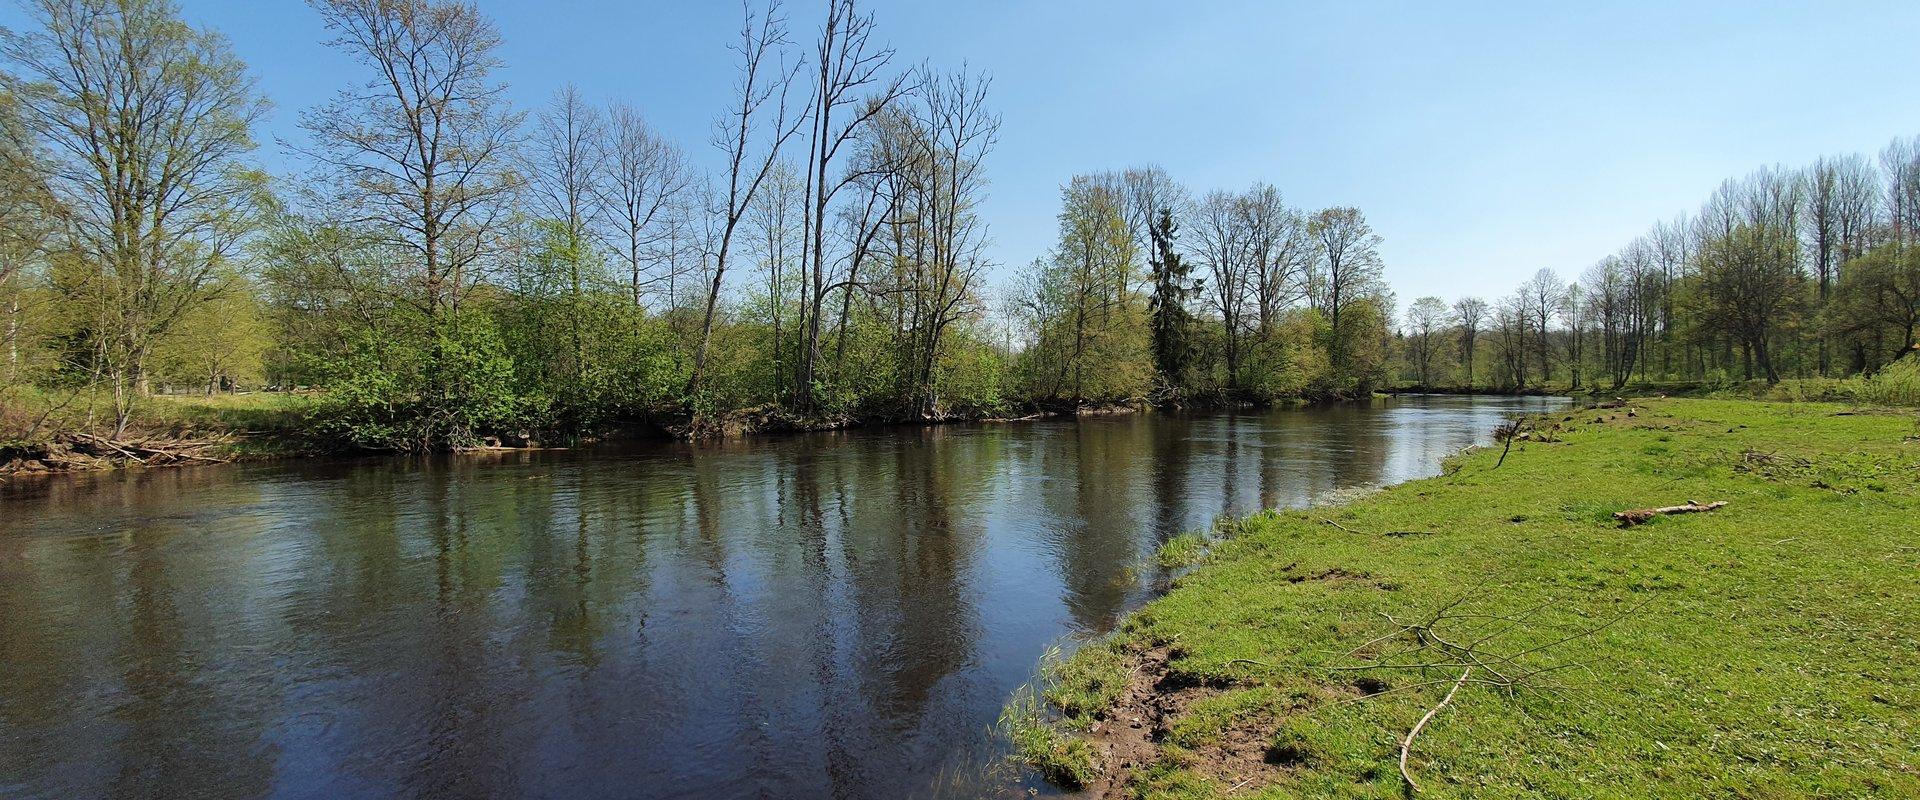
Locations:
column 834, row 615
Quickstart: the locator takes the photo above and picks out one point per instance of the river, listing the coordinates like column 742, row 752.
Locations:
column 823, row 615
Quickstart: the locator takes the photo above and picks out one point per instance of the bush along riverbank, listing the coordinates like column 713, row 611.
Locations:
column 1504, row 630
column 43, row 432
column 46, row 433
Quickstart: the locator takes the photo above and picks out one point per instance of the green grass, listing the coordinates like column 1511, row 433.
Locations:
column 1896, row 385
column 1770, row 649
column 1045, row 741
column 256, row 423
column 1183, row 550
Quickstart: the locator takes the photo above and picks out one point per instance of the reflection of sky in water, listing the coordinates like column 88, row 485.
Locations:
column 833, row 615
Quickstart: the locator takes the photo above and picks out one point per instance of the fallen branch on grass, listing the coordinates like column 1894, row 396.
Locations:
column 1636, row 516
column 1338, row 525
column 1388, row 534
column 1406, row 745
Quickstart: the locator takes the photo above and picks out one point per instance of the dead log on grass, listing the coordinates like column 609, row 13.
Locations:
column 1632, row 517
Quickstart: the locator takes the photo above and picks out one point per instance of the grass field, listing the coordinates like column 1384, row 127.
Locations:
column 1767, row 649
column 37, row 423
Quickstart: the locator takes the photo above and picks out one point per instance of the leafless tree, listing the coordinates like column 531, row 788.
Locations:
column 1217, row 239
column 959, row 130
column 774, row 219
column 420, row 156
column 1424, row 320
column 1542, row 295
column 1900, row 162
column 644, row 196
column 1147, row 190
column 1468, row 314
column 848, row 63
column 1279, row 253
column 760, row 111
column 565, row 162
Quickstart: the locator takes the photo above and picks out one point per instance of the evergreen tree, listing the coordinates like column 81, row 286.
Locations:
column 1172, row 324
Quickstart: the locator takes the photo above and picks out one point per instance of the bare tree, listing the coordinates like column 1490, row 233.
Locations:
column 566, row 161
column 848, row 62
column 1279, row 252
column 1573, row 312
column 958, row 131
column 1671, row 254
column 774, row 219
column 420, row 156
column 1468, row 314
column 1822, row 221
column 1858, row 203
column 1542, row 295
column 1900, row 161
column 1217, row 239
column 1424, row 319
column 760, row 105
column 1749, row 264
column 641, row 193
column 144, row 121
column 1510, row 326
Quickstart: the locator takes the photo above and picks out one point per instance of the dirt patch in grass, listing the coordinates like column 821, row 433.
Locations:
column 1131, row 737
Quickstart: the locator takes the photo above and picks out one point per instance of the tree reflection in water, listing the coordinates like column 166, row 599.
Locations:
column 829, row 615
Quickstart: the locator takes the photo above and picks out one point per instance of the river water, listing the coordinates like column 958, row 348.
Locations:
column 829, row 615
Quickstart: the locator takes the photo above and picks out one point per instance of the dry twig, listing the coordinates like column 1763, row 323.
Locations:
column 1406, row 745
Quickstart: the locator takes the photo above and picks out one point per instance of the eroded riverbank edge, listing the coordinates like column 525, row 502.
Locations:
column 69, row 452
column 1268, row 670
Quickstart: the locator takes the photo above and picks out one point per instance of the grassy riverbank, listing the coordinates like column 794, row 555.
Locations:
column 1764, row 649
column 63, row 431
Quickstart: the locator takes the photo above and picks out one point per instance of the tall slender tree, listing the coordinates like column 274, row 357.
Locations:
column 1172, row 323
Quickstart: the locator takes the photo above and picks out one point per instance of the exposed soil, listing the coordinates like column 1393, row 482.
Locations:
column 1128, row 735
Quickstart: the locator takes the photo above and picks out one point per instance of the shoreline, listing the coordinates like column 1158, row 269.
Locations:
column 80, row 452
column 1296, row 655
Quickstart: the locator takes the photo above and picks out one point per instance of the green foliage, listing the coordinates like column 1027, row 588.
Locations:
column 1898, row 384
column 448, row 385
column 220, row 344
column 1173, row 289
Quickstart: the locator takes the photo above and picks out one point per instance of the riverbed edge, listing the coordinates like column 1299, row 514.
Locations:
column 1115, row 719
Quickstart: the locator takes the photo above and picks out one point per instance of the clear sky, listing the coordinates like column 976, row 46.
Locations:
column 1483, row 141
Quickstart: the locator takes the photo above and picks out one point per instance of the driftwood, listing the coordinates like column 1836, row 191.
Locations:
column 1507, row 433
column 82, row 450
column 1636, row 516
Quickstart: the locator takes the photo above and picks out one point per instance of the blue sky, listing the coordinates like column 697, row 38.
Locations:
column 1483, row 141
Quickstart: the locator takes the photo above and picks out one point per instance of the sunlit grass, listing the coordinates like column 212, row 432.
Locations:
column 1761, row 650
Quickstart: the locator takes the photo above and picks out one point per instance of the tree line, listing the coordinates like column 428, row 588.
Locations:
column 1784, row 273
column 1228, row 296
column 442, row 266
column 439, row 266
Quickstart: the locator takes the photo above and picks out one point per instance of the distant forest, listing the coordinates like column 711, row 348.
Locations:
column 444, row 267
